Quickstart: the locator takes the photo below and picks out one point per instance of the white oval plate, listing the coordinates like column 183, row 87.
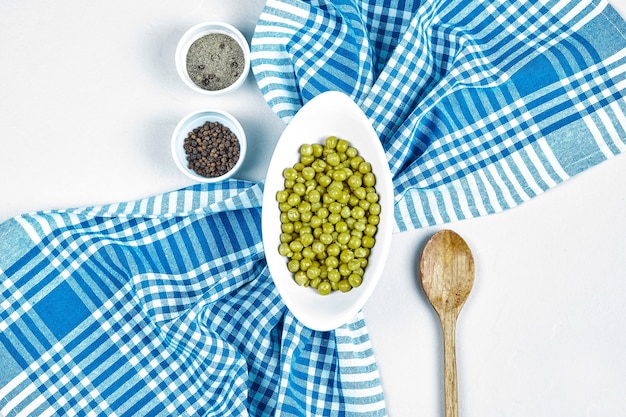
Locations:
column 330, row 113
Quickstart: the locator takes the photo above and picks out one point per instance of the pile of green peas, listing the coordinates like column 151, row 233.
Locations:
column 329, row 214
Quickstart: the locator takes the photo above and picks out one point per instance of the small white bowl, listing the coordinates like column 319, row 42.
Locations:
column 195, row 33
column 330, row 113
column 197, row 119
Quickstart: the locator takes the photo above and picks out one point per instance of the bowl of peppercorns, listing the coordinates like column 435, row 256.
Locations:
column 209, row 145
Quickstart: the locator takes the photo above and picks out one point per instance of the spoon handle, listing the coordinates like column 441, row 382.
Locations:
column 448, row 324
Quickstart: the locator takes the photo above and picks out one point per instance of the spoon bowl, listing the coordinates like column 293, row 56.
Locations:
column 447, row 274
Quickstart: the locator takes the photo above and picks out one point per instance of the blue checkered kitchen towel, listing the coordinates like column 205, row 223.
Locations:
column 164, row 306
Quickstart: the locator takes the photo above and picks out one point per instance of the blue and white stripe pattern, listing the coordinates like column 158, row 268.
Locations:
column 165, row 307
column 480, row 105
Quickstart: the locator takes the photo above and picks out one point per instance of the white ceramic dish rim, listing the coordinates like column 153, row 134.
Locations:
column 330, row 113
column 197, row 119
column 196, row 32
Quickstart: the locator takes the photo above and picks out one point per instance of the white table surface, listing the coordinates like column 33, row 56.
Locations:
column 89, row 97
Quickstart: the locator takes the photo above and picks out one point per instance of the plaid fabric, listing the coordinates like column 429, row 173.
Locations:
column 164, row 306
column 480, row 105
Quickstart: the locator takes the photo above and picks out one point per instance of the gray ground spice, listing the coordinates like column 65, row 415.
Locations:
column 215, row 61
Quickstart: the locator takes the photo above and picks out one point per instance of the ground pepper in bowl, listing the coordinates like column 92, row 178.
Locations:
column 212, row 149
column 215, row 61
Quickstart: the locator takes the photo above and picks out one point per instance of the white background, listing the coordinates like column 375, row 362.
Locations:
column 89, row 97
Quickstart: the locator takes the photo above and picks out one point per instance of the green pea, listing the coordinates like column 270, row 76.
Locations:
column 281, row 196
column 355, row 280
column 370, row 230
column 344, row 270
column 315, row 221
column 334, row 218
column 286, row 227
column 359, row 225
column 308, row 253
column 331, row 262
column 333, row 159
column 369, row 180
column 354, row 181
column 306, row 216
column 318, row 247
column 368, row 242
column 334, row 275
column 333, row 249
column 290, row 174
column 335, row 193
column 324, row 180
column 326, row 239
column 365, row 167
column 313, row 272
column 341, row 227
column 340, row 175
column 296, row 246
column 344, row 285
column 284, row 249
column 343, row 238
column 306, row 150
column 305, row 264
column 354, row 242
column 318, row 150
column 293, row 266
column 342, row 145
column 346, row 256
column 299, row 189
column 334, row 207
column 293, row 214
column 293, row 200
column 301, row 278
column 324, row 288
column 374, row 208
column 345, row 198
column 307, row 239
column 313, row 196
column 372, row 197
column 354, row 264
column 358, row 213
column 318, row 165
column 355, row 162
column 304, row 207
column 308, row 173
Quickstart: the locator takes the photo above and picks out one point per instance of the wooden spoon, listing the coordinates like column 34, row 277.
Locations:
column 447, row 273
